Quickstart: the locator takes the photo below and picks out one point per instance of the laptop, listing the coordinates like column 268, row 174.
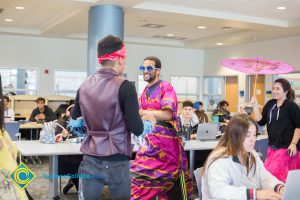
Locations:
column 208, row 131
column 292, row 191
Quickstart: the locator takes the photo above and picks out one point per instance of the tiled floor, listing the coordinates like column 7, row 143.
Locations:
column 39, row 188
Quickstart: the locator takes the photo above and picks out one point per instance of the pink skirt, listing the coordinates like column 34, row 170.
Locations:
column 279, row 163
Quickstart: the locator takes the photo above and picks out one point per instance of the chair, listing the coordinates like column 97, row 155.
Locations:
column 261, row 146
column 198, row 177
column 12, row 129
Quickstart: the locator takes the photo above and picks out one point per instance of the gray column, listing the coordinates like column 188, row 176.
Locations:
column 103, row 20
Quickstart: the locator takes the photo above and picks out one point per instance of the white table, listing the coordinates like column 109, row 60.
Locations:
column 31, row 126
column 35, row 148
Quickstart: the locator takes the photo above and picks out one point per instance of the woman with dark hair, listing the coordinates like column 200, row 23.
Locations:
column 234, row 170
column 282, row 117
column 8, row 155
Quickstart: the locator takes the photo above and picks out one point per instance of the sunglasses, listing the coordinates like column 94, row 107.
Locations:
column 147, row 68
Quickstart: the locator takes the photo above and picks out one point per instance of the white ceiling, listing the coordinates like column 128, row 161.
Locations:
column 248, row 20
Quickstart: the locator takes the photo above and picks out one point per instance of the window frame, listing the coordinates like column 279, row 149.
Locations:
column 35, row 91
column 58, row 92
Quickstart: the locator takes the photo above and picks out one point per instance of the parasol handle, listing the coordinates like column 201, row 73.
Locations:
column 255, row 83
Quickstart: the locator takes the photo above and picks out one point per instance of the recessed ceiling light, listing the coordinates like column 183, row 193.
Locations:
column 87, row 1
column 170, row 35
column 201, row 27
column 153, row 25
column 219, row 43
column 8, row 20
column 281, row 8
column 226, row 28
column 19, row 7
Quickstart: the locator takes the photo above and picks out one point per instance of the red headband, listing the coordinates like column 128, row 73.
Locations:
column 121, row 53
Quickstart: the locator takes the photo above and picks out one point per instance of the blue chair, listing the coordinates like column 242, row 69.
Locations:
column 261, row 146
column 12, row 129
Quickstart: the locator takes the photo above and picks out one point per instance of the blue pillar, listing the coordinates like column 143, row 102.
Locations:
column 103, row 20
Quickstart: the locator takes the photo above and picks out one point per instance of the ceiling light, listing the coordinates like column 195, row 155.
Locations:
column 281, row 8
column 8, row 20
column 87, row 1
column 226, row 28
column 170, row 35
column 219, row 43
column 19, row 7
column 169, row 38
column 153, row 25
column 254, row 38
column 201, row 27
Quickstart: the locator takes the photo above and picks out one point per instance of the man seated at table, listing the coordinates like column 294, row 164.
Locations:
column 9, row 114
column 42, row 113
column 188, row 120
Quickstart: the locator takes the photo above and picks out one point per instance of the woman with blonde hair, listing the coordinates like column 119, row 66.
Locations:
column 8, row 156
column 234, row 170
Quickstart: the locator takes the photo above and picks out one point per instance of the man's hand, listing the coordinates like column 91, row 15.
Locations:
column 149, row 117
column 42, row 116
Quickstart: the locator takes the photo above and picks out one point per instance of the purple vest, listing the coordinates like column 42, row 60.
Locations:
column 107, row 128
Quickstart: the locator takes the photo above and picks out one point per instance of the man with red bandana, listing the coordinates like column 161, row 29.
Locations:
column 108, row 107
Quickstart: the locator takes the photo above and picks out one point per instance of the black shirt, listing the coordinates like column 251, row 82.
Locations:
column 48, row 112
column 281, row 122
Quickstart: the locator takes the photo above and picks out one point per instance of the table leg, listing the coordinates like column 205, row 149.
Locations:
column 192, row 163
column 53, row 177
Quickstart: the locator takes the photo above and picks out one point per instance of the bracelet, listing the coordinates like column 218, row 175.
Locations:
column 294, row 143
column 279, row 188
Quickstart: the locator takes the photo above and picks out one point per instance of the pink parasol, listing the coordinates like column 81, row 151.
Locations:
column 257, row 66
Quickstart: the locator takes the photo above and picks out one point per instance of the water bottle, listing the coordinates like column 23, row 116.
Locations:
column 215, row 119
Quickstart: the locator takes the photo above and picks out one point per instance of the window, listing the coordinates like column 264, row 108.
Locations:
column 294, row 79
column 68, row 82
column 186, row 87
column 19, row 81
column 213, row 87
column 141, row 85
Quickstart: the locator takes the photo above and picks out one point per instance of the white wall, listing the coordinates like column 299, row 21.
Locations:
column 175, row 61
column 51, row 53
column 285, row 49
column 42, row 53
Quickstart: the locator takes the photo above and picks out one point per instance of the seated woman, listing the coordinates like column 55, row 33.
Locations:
column 234, row 170
column 68, row 164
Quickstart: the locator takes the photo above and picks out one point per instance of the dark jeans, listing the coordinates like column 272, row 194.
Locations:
column 96, row 172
